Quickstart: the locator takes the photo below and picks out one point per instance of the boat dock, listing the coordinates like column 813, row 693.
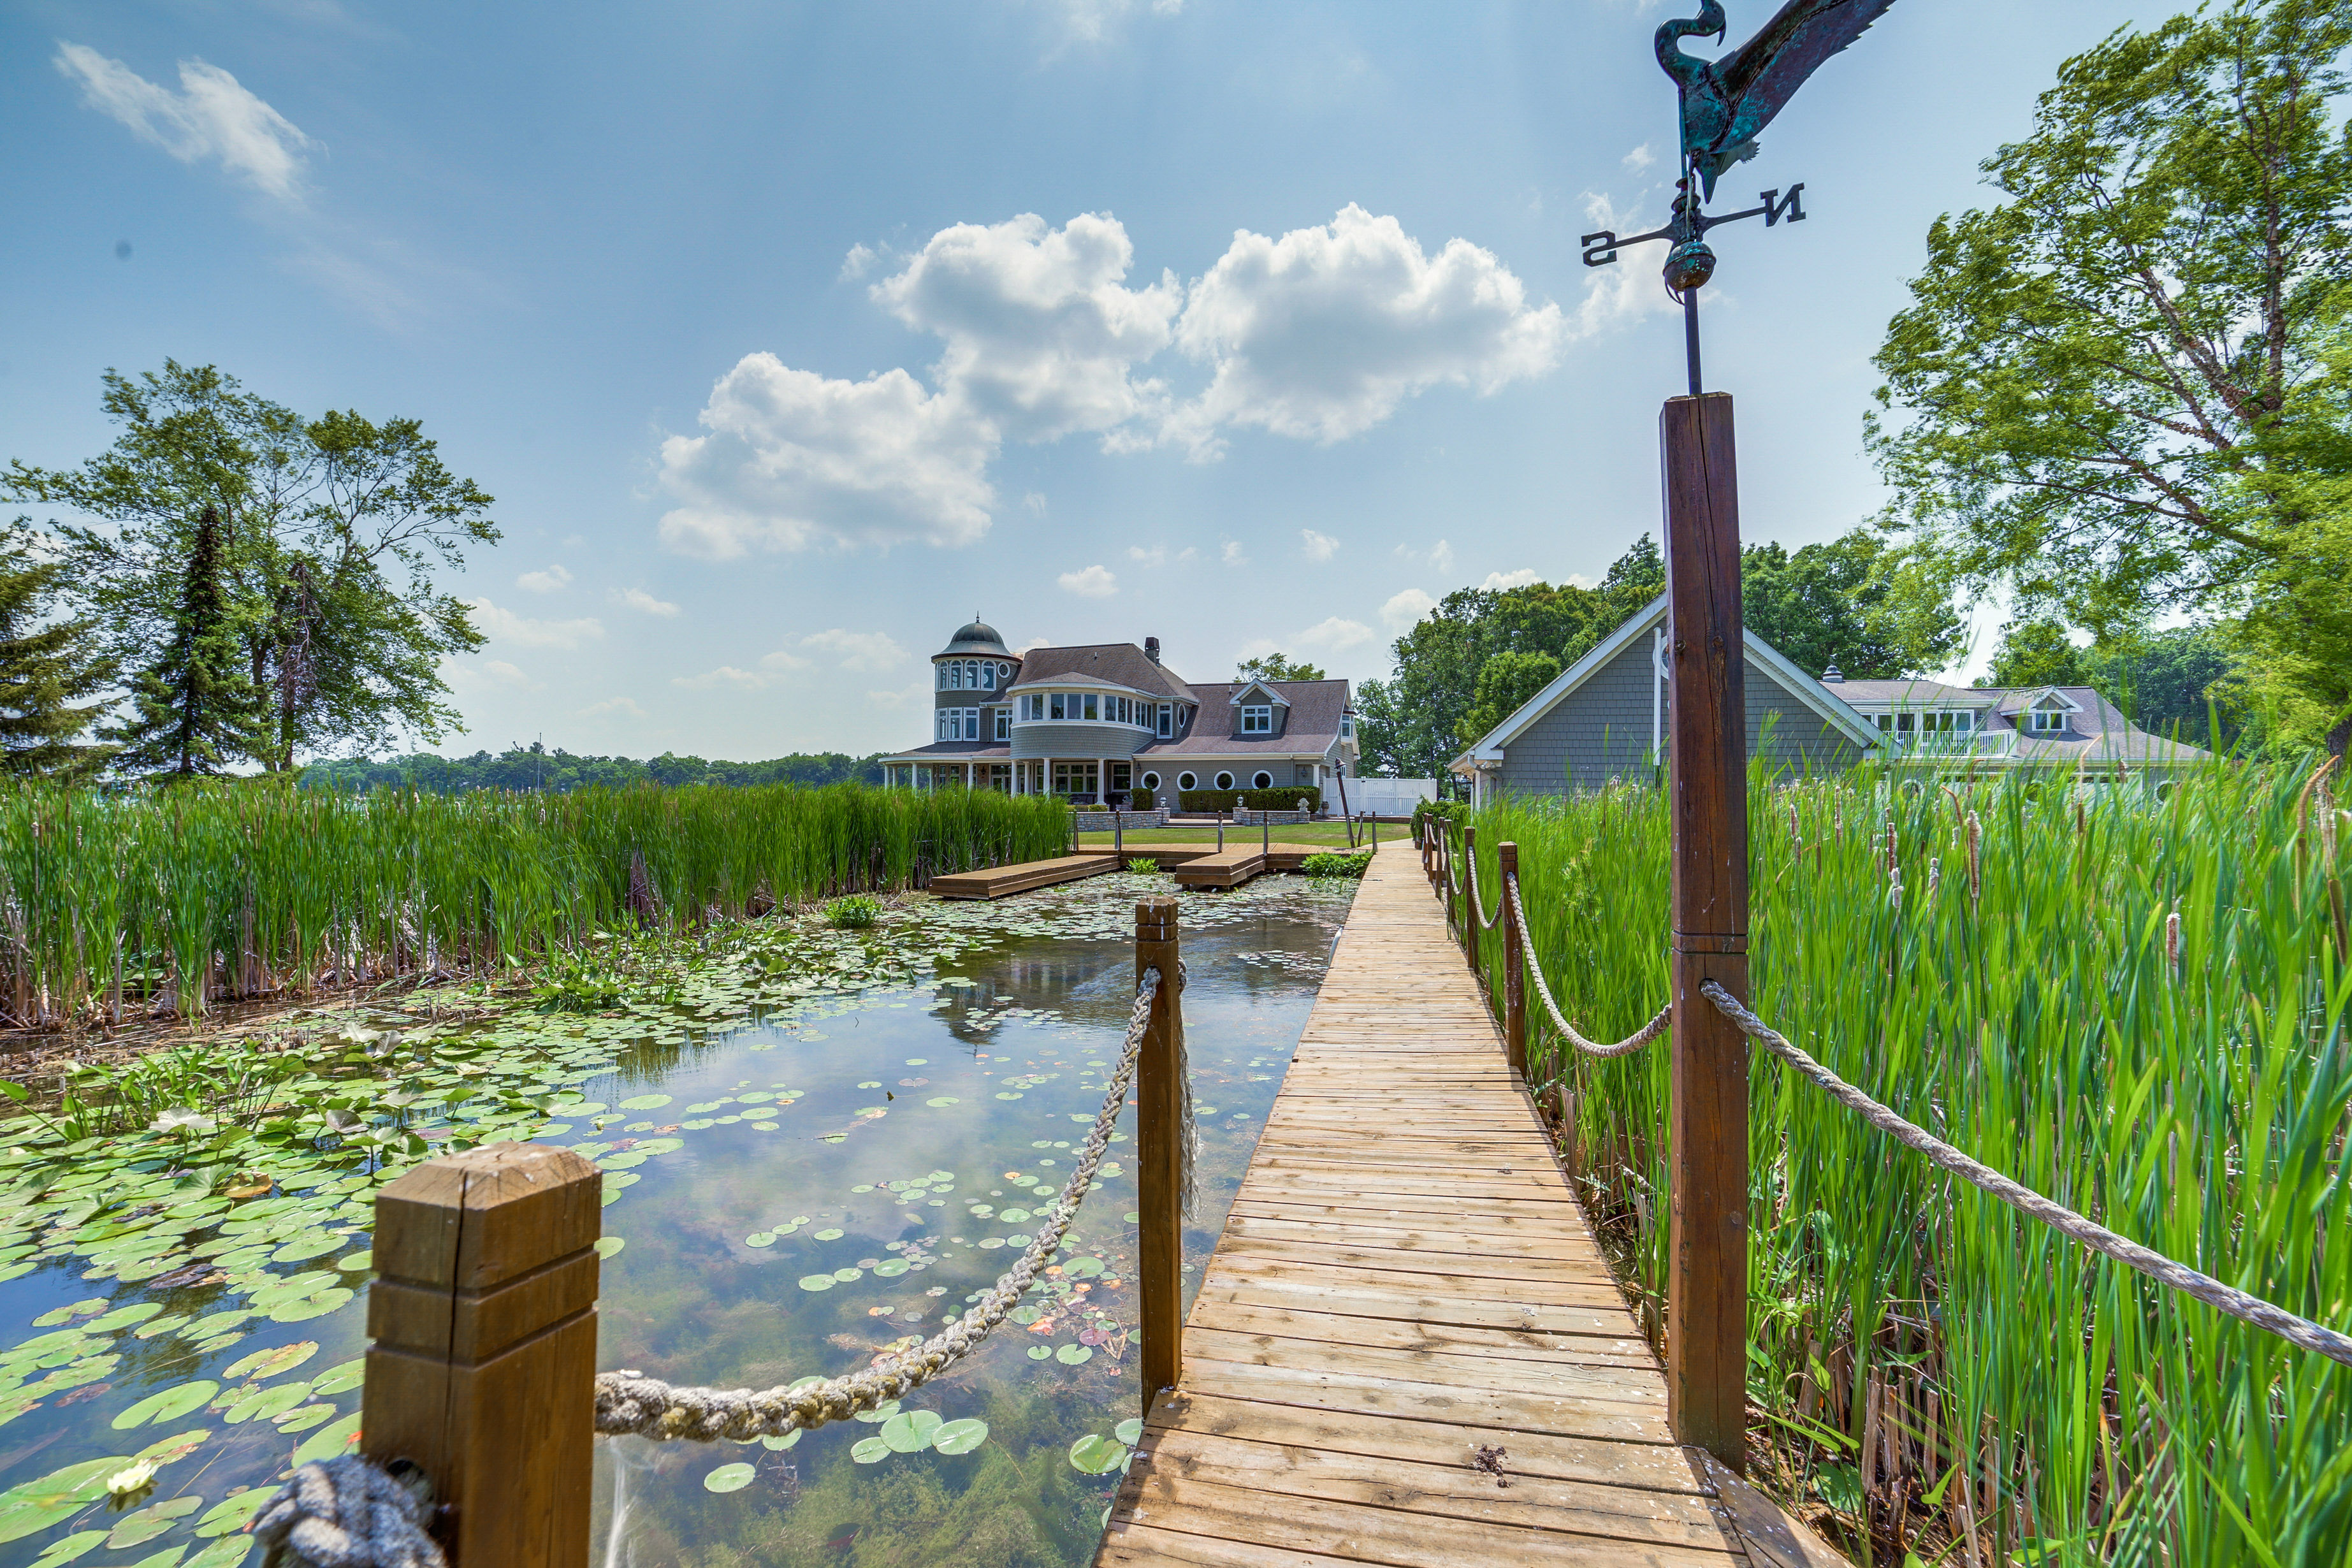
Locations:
column 1408, row 1348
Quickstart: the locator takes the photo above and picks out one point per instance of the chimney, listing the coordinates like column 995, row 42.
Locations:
column 1832, row 676
column 1151, row 649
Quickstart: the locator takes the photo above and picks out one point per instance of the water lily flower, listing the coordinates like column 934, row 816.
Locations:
column 132, row 1480
column 184, row 1119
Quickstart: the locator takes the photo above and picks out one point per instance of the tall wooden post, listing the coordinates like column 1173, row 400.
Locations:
column 1706, row 1287
column 1470, row 896
column 484, row 1363
column 1160, row 1152
column 1515, row 961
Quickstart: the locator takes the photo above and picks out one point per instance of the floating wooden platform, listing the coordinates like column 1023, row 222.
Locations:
column 1279, row 857
column 1405, row 1280
column 1229, row 869
column 997, row 881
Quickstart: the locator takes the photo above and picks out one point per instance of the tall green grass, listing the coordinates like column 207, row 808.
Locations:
column 110, row 903
column 2001, row 963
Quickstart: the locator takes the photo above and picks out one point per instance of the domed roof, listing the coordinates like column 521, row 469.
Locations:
column 978, row 636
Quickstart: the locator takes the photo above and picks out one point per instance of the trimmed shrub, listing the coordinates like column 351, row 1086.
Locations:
column 1336, row 865
column 1282, row 797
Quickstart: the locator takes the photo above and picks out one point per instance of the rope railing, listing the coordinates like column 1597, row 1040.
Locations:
column 2296, row 1330
column 1476, row 907
column 1656, row 1026
column 628, row 1402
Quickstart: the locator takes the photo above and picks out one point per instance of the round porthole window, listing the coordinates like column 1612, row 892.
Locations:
column 1151, row 781
column 1224, row 781
column 1186, row 781
column 1262, row 781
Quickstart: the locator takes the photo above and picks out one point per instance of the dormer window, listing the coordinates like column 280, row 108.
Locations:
column 1167, row 721
column 1347, row 726
column 2046, row 722
column 1257, row 719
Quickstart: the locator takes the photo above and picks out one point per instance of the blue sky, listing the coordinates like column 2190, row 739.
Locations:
column 790, row 335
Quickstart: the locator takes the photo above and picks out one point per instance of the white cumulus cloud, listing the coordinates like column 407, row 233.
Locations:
column 1093, row 583
column 553, row 580
column 1336, row 634
column 1321, row 333
column 1317, row 546
column 1404, row 608
column 211, row 116
column 1155, row 556
column 616, row 707
column 1231, row 554
column 871, row 652
column 1040, row 327
column 794, row 460
column 501, row 625
column 637, row 599
column 1497, row 581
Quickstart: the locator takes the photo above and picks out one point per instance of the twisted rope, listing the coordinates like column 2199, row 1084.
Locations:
column 2299, row 1331
column 1624, row 1048
column 1483, row 923
column 346, row 1512
column 628, row 1402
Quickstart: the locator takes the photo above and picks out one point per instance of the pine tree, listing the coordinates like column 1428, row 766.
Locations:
column 45, row 668
column 194, row 707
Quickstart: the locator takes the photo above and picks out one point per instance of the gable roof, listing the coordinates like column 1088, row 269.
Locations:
column 1264, row 686
column 1820, row 699
column 1313, row 727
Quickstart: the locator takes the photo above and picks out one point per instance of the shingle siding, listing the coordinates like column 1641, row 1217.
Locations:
column 1601, row 731
column 1077, row 742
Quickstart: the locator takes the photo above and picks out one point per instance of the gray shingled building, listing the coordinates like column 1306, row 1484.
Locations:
column 1109, row 722
column 1604, row 720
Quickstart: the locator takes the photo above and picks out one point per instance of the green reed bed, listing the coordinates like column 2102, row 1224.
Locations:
column 2003, row 966
column 114, row 902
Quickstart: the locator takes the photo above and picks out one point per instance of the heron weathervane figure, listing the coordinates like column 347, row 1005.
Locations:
column 1725, row 102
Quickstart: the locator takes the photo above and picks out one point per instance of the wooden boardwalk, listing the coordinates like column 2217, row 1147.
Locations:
column 1001, row 881
column 1405, row 1280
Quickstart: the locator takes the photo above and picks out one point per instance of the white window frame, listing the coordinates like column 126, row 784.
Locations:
column 2047, row 720
column 1187, row 781
column 1224, row 781
column 1056, row 703
column 1004, row 723
column 988, row 677
column 1261, row 780
column 1167, row 719
column 1257, row 719
column 941, row 671
column 1092, row 705
column 1151, row 782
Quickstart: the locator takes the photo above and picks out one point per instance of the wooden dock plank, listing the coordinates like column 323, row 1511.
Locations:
column 1001, row 881
column 1230, row 869
column 1405, row 1279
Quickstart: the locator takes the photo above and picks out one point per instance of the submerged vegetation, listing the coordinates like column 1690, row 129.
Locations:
column 168, row 901
column 2137, row 1007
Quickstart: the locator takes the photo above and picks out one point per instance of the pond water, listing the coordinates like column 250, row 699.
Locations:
column 801, row 1174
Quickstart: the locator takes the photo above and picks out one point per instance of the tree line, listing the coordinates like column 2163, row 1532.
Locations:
column 558, row 772
column 253, row 586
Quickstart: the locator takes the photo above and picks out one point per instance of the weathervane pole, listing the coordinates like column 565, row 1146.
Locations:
column 1690, row 336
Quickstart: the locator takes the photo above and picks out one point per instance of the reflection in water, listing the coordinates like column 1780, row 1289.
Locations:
column 937, row 1124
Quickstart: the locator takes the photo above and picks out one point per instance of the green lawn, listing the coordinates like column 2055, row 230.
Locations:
column 1333, row 833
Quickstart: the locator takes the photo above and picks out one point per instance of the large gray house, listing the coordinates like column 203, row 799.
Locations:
column 1109, row 721
column 1604, row 719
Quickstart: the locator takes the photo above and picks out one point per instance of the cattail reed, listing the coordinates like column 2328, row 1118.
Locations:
column 2189, row 1091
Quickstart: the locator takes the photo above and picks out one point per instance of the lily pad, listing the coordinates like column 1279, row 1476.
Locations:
column 1041, row 1353
column 303, row 1419
column 229, row 1553
column 890, row 1268
column 1095, row 1455
column 1129, row 1431
column 270, row 1363
column 959, row 1437
column 645, row 1102
column 1074, row 1355
column 869, row 1450
column 846, row 1275
column 231, row 1513
column 72, row 1548
column 608, row 1245
column 149, row 1522
column 331, row 1441
column 303, row 1249
column 761, row 1239
column 267, row 1404
column 728, row 1478
column 123, row 1317
column 169, row 1405
column 38, row 1504
column 786, row 1441
column 909, row 1431
column 166, row 1450
column 341, row 1379
column 67, row 1314
column 830, row 1235
column 817, row 1281
column 943, row 1099
column 317, row 1306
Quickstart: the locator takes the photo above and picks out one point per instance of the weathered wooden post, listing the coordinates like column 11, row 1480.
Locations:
column 483, row 1367
column 1470, row 893
column 1515, row 959
column 1446, row 870
column 1119, row 838
column 1707, row 1286
column 1160, row 1152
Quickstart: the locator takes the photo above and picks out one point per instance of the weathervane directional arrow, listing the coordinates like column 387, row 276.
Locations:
column 1724, row 103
